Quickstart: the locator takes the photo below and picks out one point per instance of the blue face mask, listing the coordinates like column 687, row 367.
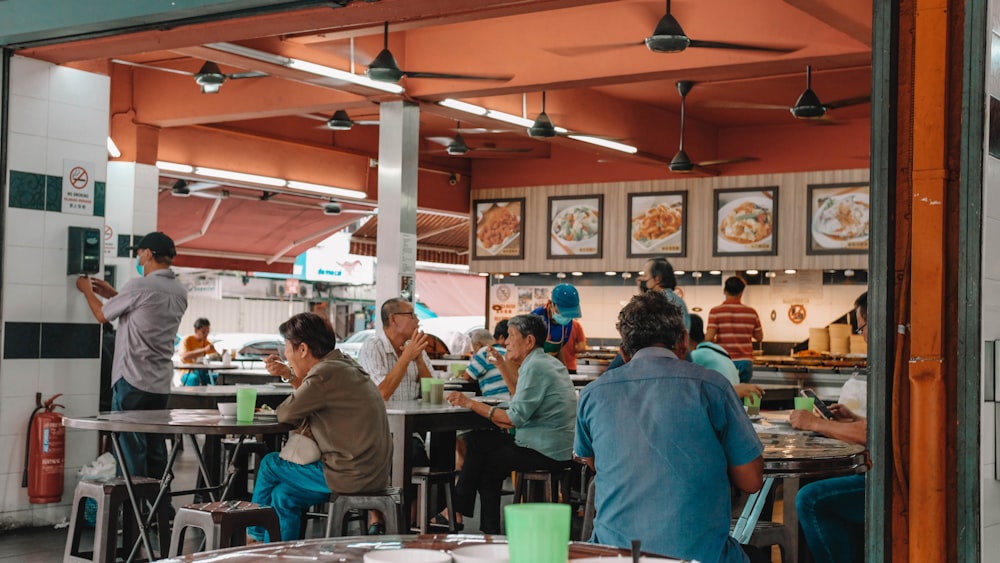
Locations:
column 138, row 266
column 559, row 319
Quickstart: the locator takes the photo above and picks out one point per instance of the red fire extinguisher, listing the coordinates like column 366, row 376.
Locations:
column 45, row 454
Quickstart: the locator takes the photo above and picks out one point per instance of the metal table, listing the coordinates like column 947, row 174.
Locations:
column 353, row 550
column 176, row 422
column 442, row 421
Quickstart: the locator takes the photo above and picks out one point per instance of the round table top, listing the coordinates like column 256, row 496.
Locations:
column 807, row 454
column 353, row 549
column 273, row 388
column 177, row 421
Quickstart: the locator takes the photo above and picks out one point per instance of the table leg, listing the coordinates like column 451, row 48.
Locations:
column 796, row 549
column 143, row 531
column 401, row 428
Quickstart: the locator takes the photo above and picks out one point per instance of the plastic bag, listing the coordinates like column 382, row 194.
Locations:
column 104, row 467
column 854, row 395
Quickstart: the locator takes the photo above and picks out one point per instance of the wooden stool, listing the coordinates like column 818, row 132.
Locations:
column 221, row 521
column 111, row 497
column 550, row 477
column 386, row 501
column 427, row 482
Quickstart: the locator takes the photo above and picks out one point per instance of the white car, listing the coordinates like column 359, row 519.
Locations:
column 352, row 345
column 251, row 347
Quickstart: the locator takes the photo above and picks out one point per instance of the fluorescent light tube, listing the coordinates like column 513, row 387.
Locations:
column 608, row 144
column 239, row 176
column 462, row 106
column 325, row 190
column 175, row 167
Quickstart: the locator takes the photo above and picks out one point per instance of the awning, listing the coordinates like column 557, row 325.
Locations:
column 441, row 237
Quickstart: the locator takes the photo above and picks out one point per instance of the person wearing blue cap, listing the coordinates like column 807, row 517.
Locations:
column 565, row 337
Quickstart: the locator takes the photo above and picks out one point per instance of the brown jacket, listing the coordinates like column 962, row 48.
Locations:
column 346, row 414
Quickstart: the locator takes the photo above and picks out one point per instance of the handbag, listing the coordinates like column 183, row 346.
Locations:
column 300, row 448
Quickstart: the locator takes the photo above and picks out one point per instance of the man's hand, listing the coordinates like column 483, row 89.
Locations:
column 744, row 390
column 803, row 420
column 414, row 347
column 275, row 366
column 458, row 399
column 103, row 288
column 843, row 414
column 84, row 284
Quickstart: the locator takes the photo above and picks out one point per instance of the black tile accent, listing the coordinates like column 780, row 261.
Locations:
column 100, row 193
column 53, row 193
column 27, row 190
column 70, row 340
column 21, row 340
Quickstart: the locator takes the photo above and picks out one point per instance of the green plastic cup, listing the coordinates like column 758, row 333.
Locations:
column 804, row 404
column 752, row 403
column 425, row 388
column 246, row 402
column 538, row 532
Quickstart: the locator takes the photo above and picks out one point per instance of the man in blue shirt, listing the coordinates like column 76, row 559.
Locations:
column 666, row 438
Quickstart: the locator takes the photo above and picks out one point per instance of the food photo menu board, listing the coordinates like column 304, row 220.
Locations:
column 575, row 227
column 499, row 228
column 746, row 222
column 838, row 219
column 657, row 224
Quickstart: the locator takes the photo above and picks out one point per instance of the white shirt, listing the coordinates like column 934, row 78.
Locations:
column 377, row 356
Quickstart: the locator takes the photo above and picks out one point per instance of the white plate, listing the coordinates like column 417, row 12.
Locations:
column 481, row 553
column 590, row 241
column 407, row 555
column 825, row 226
column 673, row 238
column 755, row 417
column 493, row 250
column 778, row 421
column 729, row 245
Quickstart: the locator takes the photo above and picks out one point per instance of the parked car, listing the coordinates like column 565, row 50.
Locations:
column 353, row 343
column 451, row 333
column 251, row 347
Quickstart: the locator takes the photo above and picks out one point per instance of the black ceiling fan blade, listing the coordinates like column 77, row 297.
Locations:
column 443, row 141
column 247, row 74
column 586, row 50
column 452, row 76
column 846, row 102
column 151, row 67
column 741, row 105
column 366, row 122
column 739, row 46
column 725, row 161
column 499, row 149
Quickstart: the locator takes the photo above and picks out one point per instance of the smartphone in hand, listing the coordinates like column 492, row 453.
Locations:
column 818, row 403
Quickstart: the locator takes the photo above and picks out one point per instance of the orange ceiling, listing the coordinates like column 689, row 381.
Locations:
column 572, row 49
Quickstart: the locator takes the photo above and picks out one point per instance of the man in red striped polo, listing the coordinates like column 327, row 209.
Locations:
column 735, row 326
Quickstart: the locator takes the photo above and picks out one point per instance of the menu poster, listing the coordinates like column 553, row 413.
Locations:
column 746, row 222
column 657, row 224
column 575, row 227
column 498, row 225
column 837, row 219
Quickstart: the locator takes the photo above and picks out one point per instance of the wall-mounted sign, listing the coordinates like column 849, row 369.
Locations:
column 746, row 222
column 657, row 224
column 498, row 225
column 837, row 219
column 78, row 187
column 797, row 313
column 575, row 227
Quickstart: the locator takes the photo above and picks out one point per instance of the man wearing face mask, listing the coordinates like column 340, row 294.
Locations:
column 565, row 337
column 149, row 310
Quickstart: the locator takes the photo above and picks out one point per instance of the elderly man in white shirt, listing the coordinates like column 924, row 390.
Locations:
column 396, row 360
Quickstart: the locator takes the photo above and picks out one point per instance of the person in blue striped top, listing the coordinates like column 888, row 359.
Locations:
column 491, row 382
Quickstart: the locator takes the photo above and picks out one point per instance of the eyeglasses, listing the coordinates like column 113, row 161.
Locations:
column 861, row 329
column 410, row 313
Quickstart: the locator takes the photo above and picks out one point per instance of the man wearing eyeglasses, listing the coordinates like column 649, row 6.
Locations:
column 396, row 359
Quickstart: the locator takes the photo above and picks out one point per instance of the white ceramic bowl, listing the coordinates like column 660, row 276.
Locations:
column 227, row 409
column 407, row 555
column 482, row 553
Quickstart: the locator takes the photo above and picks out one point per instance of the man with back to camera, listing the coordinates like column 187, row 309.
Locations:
column 667, row 485
column 149, row 310
column 558, row 313
column 735, row 326
column 194, row 347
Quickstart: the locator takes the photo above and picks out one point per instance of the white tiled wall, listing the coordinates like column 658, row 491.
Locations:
column 990, row 507
column 55, row 113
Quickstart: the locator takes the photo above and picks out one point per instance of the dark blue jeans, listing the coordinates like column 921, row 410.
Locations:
column 145, row 454
column 832, row 518
column 746, row 369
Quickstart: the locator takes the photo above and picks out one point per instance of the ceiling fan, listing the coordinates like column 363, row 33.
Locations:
column 458, row 147
column 668, row 37
column 209, row 77
column 385, row 68
column 807, row 106
column 681, row 162
column 340, row 121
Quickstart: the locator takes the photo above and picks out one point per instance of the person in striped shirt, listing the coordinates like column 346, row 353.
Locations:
column 481, row 370
column 735, row 326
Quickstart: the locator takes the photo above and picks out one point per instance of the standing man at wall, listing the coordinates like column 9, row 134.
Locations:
column 149, row 310
column 735, row 326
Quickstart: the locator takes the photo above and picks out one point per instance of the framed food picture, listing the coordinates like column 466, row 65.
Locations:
column 657, row 224
column 498, row 225
column 746, row 222
column 837, row 219
column 575, row 227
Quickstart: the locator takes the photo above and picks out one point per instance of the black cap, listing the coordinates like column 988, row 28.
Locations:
column 157, row 243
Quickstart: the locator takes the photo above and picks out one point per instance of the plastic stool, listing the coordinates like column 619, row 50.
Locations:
column 550, row 477
column 386, row 501
column 426, row 481
column 220, row 521
column 111, row 497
